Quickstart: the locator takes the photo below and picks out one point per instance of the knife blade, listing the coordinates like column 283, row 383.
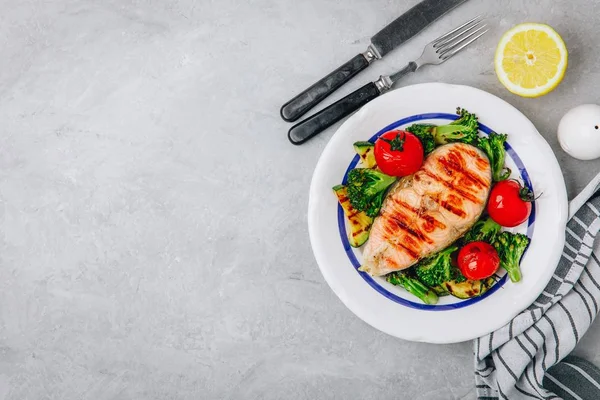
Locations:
column 393, row 35
column 409, row 24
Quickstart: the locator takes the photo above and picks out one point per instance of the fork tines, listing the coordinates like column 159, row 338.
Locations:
column 457, row 39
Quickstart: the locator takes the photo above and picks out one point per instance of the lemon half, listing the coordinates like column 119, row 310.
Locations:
column 531, row 59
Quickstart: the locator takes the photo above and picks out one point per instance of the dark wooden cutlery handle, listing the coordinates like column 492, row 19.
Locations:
column 311, row 126
column 299, row 105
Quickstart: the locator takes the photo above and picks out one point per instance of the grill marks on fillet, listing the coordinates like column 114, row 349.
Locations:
column 403, row 219
column 452, row 171
column 454, row 165
column 482, row 165
column 450, row 186
column 411, row 230
column 430, row 223
column 453, row 208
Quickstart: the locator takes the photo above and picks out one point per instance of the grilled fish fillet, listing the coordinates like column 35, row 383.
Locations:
column 426, row 212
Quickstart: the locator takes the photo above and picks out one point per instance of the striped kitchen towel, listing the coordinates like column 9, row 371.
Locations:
column 516, row 361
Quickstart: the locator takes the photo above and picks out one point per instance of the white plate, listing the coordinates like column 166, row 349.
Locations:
column 391, row 309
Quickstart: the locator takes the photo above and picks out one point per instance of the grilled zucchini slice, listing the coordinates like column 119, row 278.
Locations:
column 360, row 223
column 366, row 152
column 466, row 289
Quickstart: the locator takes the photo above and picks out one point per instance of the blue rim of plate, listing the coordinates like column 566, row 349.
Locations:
column 369, row 279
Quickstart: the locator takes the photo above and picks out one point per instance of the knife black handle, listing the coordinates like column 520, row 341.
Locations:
column 315, row 124
column 299, row 105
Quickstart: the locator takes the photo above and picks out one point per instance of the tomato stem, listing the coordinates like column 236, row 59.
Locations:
column 525, row 193
column 396, row 144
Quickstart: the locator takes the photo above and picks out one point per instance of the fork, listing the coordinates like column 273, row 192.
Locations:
column 435, row 53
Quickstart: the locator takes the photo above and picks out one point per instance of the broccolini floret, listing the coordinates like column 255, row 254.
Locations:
column 366, row 189
column 484, row 230
column 510, row 247
column 437, row 269
column 425, row 134
column 493, row 147
column 465, row 130
column 440, row 290
column 413, row 286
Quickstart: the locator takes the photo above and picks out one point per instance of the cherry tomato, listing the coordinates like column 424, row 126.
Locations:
column 510, row 203
column 478, row 260
column 398, row 153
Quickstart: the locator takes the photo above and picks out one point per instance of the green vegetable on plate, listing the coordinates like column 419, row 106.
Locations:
column 493, row 147
column 484, row 230
column 435, row 270
column 510, row 247
column 365, row 151
column 360, row 223
column 367, row 188
column 413, row 286
column 440, row 290
column 465, row 130
column 469, row 288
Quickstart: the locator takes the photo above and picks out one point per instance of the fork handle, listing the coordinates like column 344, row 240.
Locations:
column 410, row 67
column 315, row 124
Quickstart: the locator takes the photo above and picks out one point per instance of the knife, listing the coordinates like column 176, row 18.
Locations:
column 399, row 31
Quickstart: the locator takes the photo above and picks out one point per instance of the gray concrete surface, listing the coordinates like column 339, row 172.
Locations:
column 153, row 215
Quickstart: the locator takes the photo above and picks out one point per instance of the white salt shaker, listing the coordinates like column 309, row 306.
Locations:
column 579, row 132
